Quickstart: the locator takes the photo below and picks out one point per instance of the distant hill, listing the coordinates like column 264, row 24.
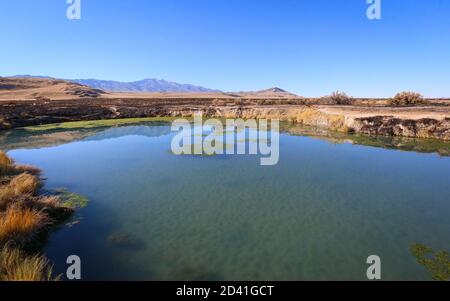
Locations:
column 41, row 88
column 269, row 93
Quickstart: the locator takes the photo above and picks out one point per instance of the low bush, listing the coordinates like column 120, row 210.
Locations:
column 406, row 99
column 336, row 98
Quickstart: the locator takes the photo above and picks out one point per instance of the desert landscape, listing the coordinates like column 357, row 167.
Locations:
column 26, row 101
column 224, row 148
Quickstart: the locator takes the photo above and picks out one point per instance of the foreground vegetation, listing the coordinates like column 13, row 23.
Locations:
column 15, row 265
column 25, row 217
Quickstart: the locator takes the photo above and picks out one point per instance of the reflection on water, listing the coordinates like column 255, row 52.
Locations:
column 389, row 142
column 317, row 215
column 22, row 138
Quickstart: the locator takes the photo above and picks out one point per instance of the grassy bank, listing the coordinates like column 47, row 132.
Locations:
column 25, row 217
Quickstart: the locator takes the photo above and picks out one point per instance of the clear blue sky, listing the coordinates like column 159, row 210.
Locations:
column 310, row 47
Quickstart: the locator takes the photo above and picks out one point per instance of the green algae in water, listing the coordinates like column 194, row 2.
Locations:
column 70, row 199
column 437, row 263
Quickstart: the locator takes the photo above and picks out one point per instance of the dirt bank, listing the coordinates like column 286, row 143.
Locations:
column 424, row 122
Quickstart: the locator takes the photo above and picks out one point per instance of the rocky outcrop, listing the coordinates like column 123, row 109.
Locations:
column 390, row 126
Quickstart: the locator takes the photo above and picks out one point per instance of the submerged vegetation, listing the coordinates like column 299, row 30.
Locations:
column 436, row 262
column 70, row 199
column 24, row 217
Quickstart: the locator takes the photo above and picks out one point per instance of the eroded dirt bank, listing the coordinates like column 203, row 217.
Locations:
column 420, row 122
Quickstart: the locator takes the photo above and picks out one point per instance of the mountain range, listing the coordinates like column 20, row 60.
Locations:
column 145, row 85
column 160, row 86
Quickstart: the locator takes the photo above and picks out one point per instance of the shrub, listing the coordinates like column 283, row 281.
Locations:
column 406, row 99
column 336, row 98
column 17, row 266
column 20, row 225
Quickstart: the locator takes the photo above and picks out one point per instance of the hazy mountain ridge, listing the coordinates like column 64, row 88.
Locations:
column 162, row 86
column 145, row 85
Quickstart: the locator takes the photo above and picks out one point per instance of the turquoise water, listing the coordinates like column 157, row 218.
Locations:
column 317, row 215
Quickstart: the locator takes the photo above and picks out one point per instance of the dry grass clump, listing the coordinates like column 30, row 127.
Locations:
column 24, row 184
column 6, row 197
column 52, row 206
column 19, row 225
column 6, row 164
column 17, row 266
column 20, row 186
column 9, row 169
column 23, row 216
column 312, row 117
column 5, row 161
column 406, row 99
column 336, row 98
column 20, row 168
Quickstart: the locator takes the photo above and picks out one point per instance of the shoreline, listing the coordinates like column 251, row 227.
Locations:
column 28, row 215
column 425, row 121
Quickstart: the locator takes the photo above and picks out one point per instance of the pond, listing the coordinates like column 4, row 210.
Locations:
column 330, row 202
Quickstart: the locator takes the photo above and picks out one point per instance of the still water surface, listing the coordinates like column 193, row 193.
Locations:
column 317, row 215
